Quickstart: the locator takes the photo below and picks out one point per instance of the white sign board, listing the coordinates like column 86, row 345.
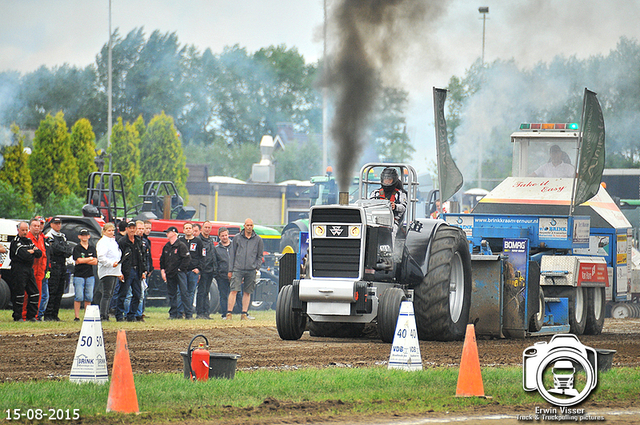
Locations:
column 90, row 361
column 405, row 350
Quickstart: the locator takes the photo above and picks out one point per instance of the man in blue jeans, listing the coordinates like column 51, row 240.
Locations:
column 133, row 269
column 194, row 246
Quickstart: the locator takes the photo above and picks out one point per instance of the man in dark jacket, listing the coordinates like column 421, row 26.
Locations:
column 222, row 272
column 208, row 270
column 194, row 245
column 60, row 251
column 245, row 259
column 174, row 262
column 133, row 269
column 22, row 253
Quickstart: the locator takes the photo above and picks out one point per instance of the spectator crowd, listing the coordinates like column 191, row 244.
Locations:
column 113, row 273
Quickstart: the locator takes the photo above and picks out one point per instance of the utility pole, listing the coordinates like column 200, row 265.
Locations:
column 109, row 90
column 484, row 10
column 325, row 114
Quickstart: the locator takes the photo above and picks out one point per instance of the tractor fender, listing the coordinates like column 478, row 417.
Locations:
column 415, row 256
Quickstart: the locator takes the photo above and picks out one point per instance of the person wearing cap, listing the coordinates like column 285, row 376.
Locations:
column 134, row 270
column 84, row 256
column 558, row 166
column 121, row 233
column 60, row 251
column 174, row 263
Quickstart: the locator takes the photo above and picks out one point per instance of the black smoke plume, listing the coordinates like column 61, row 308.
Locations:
column 365, row 40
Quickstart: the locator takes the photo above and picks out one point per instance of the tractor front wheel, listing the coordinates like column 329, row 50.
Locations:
column 290, row 323
column 388, row 311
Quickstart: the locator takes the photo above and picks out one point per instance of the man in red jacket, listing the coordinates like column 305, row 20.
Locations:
column 39, row 264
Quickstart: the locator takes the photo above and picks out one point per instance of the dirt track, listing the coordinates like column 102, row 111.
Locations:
column 157, row 350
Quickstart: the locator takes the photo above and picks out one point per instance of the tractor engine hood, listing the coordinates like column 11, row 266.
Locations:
column 548, row 196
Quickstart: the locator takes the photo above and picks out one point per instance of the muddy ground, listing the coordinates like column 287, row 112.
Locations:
column 27, row 355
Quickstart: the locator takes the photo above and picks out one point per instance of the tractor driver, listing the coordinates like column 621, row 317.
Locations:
column 558, row 166
column 391, row 190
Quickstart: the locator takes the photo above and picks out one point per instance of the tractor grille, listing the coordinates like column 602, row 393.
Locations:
column 335, row 215
column 335, row 257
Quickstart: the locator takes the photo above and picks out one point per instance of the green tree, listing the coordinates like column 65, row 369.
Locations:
column 125, row 155
column 15, row 168
column 83, row 148
column 162, row 154
column 392, row 143
column 55, row 204
column 68, row 89
column 299, row 161
column 13, row 203
column 53, row 167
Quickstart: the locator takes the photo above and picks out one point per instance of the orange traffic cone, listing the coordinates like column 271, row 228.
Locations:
column 122, row 392
column 470, row 378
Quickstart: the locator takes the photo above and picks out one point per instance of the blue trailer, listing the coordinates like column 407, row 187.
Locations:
column 536, row 267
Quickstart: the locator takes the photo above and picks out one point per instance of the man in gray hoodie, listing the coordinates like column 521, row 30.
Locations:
column 245, row 259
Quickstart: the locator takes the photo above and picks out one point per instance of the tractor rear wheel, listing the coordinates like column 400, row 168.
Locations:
column 596, row 307
column 388, row 311
column 5, row 294
column 214, row 298
column 290, row 323
column 443, row 299
column 578, row 311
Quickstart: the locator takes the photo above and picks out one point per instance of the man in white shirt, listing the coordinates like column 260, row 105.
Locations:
column 556, row 167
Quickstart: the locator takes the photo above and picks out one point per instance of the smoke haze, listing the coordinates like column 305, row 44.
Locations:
column 368, row 39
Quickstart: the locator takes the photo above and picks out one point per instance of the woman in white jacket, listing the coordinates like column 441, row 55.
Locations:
column 108, row 267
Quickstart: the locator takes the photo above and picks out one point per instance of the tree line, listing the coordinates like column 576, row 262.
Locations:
column 221, row 104
column 490, row 101
column 52, row 178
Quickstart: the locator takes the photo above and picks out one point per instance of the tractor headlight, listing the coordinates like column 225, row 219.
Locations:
column 319, row 231
column 354, row 231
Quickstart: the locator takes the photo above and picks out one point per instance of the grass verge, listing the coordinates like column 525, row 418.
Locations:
column 270, row 396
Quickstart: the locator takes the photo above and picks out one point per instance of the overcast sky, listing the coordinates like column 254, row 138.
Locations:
column 52, row 32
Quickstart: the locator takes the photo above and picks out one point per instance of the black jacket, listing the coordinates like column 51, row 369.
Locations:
column 222, row 260
column 146, row 250
column 195, row 251
column 175, row 258
column 132, row 255
column 208, row 254
column 19, row 252
column 59, row 248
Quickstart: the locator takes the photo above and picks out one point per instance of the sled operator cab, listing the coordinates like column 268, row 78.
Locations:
column 545, row 150
column 364, row 258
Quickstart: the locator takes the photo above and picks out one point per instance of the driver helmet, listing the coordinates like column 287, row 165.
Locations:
column 389, row 174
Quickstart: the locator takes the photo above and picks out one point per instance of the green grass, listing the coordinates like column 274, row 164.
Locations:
column 156, row 318
column 361, row 391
